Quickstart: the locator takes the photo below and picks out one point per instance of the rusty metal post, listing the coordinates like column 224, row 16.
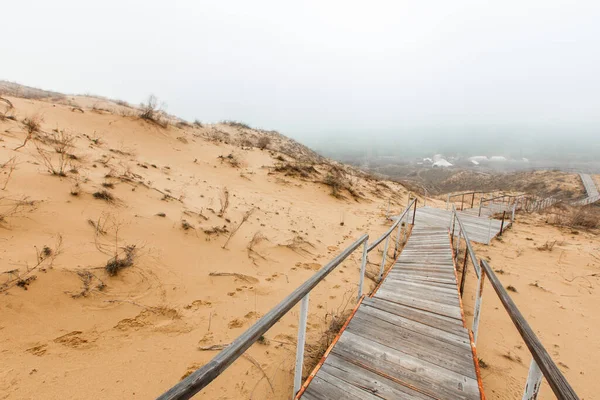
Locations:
column 534, row 382
column 502, row 224
column 414, row 212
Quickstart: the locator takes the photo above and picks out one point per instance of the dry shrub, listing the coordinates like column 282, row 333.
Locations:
column 59, row 162
column 296, row 169
column 6, row 111
column 33, row 123
column 104, row 195
column 337, row 180
column 152, row 112
column 236, row 124
column 231, row 159
column 224, row 200
column 582, row 217
column 263, row 142
column 118, row 262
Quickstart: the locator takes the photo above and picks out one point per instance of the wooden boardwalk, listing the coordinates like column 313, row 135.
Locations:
column 408, row 340
column 480, row 229
column 590, row 185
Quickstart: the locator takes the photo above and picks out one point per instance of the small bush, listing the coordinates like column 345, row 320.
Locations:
column 104, row 195
column 263, row 142
column 237, row 124
column 33, row 123
column 198, row 124
column 511, row 288
column 151, row 112
column 116, row 264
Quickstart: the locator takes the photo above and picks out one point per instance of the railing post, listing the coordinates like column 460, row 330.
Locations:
column 458, row 239
column 414, row 211
column 464, row 272
column 473, row 200
column 502, row 224
column 300, row 344
column 462, row 202
column 397, row 239
column 448, row 201
column 534, row 382
column 405, row 227
column 385, row 249
column 489, row 232
column 480, row 204
column 453, row 224
column 477, row 312
column 363, row 266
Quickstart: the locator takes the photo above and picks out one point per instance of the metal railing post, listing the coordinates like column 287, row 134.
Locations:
column 462, row 202
column 414, row 211
column 448, row 201
column 464, row 272
column 397, row 239
column 363, row 266
column 300, row 344
column 502, row 224
column 385, row 249
column 477, row 311
column 405, row 227
column 489, row 232
column 458, row 240
column 534, row 382
column 480, row 204
column 473, row 200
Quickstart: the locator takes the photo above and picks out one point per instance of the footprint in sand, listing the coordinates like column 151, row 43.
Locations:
column 196, row 304
column 74, row 339
column 235, row 323
column 39, row 350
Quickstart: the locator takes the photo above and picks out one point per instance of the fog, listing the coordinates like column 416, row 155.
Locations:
column 510, row 77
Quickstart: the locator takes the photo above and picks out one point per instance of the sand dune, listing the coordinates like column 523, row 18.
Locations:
column 155, row 197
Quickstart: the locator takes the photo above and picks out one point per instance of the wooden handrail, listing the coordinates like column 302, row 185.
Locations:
column 390, row 230
column 468, row 242
column 203, row 376
column 559, row 384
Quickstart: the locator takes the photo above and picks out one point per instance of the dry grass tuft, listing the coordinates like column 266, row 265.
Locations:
column 152, row 112
column 104, row 195
column 117, row 263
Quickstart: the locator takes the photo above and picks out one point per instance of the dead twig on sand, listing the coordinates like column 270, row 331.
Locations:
column 11, row 163
column 242, row 277
column 244, row 219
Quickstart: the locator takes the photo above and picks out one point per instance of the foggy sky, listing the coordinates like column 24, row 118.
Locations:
column 322, row 69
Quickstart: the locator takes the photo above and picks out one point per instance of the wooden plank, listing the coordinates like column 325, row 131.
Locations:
column 325, row 386
column 423, row 317
column 423, row 347
column 370, row 381
column 428, row 378
column 419, row 293
column 459, row 342
column 431, row 306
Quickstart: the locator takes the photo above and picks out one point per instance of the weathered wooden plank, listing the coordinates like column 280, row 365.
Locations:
column 432, row 335
column 370, row 381
column 325, row 386
column 431, row 306
column 430, row 295
column 423, row 317
column 423, row 347
column 429, row 378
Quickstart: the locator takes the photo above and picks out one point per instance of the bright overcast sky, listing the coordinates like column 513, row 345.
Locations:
column 312, row 67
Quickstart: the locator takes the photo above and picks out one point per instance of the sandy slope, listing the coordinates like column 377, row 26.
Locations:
column 556, row 273
column 76, row 332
